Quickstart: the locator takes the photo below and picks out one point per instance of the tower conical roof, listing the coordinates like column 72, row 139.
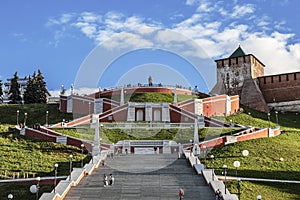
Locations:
column 237, row 53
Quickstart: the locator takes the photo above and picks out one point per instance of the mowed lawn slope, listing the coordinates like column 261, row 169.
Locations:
column 264, row 156
column 263, row 161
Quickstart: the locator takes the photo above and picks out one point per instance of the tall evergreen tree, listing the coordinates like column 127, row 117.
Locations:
column 41, row 89
column 36, row 91
column 14, row 91
column 1, row 91
column 29, row 94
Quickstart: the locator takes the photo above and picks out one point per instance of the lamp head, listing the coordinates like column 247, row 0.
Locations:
column 236, row 164
column 10, row 196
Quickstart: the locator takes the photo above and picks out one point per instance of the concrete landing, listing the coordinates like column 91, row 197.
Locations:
column 143, row 177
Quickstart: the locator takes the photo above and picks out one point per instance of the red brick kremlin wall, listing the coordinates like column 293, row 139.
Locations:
column 280, row 87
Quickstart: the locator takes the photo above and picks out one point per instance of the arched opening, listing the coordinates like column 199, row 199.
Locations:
column 139, row 115
column 157, row 115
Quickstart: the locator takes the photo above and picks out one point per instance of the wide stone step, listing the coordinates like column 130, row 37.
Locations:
column 143, row 177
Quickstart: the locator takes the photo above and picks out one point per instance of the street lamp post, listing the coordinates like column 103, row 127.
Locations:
column 231, row 127
column 191, row 151
column 249, row 113
column 239, row 188
column 37, row 187
column 258, row 197
column 55, row 175
column 82, row 146
column 225, row 167
column 63, row 126
column 18, row 112
column 92, row 154
column 47, row 112
column 10, row 196
column 204, row 152
column 25, row 118
column 195, row 153
column 269, row 119
column 101, row 127
column 71, row 156
column 89, row 108
column 236, row 164
column 212, row 163
column 276, row 114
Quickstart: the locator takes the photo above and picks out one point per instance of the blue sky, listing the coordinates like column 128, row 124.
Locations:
column 61, row 36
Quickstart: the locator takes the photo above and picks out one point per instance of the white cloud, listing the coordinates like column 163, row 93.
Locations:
column 90, row 17
column 240, row 11
column 191, row 2
column 88, row 29
column 216, row 27
column 80, row 91
column 64, row 19
column 126, row 40
column 205, row 7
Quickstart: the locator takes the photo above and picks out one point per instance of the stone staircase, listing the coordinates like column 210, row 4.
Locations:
column 154, row 176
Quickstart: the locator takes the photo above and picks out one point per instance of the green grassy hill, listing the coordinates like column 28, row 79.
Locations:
column 36, row 113
column 264, row 157
column 152, row 97
column 19, row 154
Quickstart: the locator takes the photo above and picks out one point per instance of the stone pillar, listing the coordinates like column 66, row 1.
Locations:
column 175, row 97
column 131, row 112
column 98, row 106
column 165, row 115
column 148, row 112
column 96, row 147
column 228, row 105
column 122, row 97
column 196, row 149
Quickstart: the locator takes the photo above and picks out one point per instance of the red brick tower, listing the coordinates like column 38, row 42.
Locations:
column 237, row 75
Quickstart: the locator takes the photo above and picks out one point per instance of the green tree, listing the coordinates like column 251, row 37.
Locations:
column 14, row 91
column 29, row 94
column 41, row 89
column 36, row 91
column 1, row 91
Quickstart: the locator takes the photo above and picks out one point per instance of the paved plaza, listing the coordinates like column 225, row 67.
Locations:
column 156, row 176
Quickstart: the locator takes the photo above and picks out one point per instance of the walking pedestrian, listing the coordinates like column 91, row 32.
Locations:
column 111, row 180
column 218, row 195
column 181, row 193
column 105, row 180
